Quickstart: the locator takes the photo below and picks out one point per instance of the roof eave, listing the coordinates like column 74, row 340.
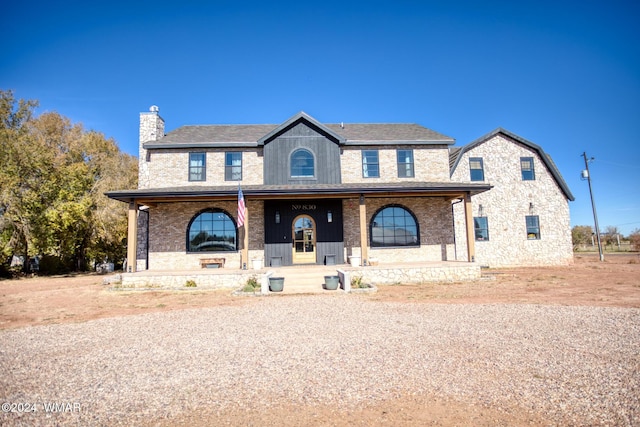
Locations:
column 179, row 145
column 128, row 196
column 399, row 142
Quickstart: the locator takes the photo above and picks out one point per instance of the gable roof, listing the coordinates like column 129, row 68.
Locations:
column 456, row 153
column 301, row 117
column 257, row 135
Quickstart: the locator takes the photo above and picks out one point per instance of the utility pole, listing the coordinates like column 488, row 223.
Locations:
column 593, row 203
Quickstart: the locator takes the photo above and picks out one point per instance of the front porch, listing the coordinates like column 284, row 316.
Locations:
column 305, row 278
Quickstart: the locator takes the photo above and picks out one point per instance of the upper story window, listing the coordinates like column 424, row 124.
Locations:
column 211, row 230
column 481, row 228
column 394, row 225
column 405, row 164
column 476, row 168
column 302, row 164
column 526, row 165
column 233, row 166
column 197, row 166
column 370, row 164
column 533, row 227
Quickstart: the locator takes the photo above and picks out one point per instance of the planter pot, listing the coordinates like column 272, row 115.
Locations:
column 276, row 284
column 331, row 283
column 355, row 261
column 256, row 263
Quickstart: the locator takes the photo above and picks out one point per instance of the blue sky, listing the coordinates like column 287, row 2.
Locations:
column 564, row 75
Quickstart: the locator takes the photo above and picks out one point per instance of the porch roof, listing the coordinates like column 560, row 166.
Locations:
column 168, row 194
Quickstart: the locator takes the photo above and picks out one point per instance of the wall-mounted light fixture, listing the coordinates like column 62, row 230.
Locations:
column 531, row 208
column 277, row 217
column 329, row 216
column 480, row 211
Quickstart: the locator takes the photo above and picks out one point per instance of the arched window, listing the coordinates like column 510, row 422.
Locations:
column 394, row 225
column 302, row 164
column 212, row 230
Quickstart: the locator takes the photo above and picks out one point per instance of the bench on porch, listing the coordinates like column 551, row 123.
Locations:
column 212, row 262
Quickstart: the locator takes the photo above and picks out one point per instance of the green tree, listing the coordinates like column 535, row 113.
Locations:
column 581, row 235
column 53, row 178
column 24, row 166
column 112, row 170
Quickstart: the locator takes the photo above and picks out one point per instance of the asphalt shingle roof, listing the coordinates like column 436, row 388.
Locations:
column 350, row 132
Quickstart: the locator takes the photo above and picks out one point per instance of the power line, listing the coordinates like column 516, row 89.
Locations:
column 619, row 164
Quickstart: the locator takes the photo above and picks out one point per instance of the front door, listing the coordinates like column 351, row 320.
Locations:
column 304, row 240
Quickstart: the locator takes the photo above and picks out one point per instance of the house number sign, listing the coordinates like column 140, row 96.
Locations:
column 303, row 207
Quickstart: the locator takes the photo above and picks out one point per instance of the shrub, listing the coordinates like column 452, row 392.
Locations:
column 634, row 238
column 356, row 282
column 51, row 265
column 251, row 285
column 190, row 284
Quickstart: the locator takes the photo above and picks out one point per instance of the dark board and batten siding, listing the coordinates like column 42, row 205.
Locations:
column 278, row 254
column 278, row 236
column 277, row 154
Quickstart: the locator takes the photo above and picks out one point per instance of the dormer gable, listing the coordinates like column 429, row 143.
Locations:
column 308, row 121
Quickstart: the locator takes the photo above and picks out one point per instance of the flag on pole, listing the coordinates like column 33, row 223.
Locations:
column 241, row 208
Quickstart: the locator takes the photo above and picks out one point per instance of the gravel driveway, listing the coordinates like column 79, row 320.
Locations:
column 572, row 365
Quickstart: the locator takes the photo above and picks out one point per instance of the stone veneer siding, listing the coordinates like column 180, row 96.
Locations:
column 168, row 224
column 430, row 163
column 387, row 275
column 507, row 204
column 151, row 129
column 435, row 220
column 170, row 168
column 452, row 272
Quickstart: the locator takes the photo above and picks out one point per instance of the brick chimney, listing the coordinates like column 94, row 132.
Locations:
column 151, row 129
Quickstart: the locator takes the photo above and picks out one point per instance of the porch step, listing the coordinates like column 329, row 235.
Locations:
column 303, row 280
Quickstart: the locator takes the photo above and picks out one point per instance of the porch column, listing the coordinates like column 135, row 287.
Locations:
column 244, row 263
column 468, row 216
column 132, row 238
column 364, row 251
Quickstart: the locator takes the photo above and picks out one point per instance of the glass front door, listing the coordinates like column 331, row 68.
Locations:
column 304, row 240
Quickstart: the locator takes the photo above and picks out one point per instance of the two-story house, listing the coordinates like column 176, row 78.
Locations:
column 319, row 193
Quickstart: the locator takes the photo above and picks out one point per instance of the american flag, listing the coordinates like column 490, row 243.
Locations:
column 241, row 208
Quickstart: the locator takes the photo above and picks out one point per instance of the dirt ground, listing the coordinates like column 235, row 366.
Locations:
column 614, row 282
column 78, row 298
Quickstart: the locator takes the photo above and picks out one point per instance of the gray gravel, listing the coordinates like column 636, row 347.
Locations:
column 573, row 365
